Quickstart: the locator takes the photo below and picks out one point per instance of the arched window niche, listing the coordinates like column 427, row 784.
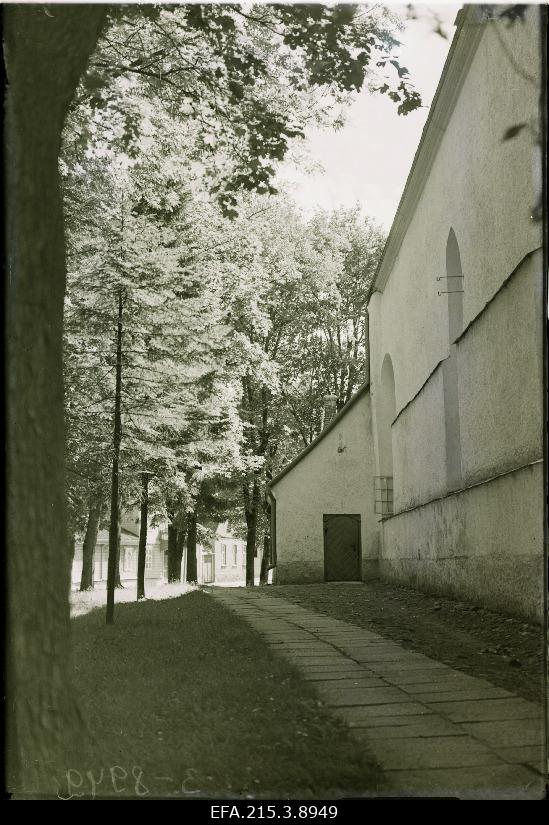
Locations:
column 454, row 288
column 386, row 412
column 450, row 373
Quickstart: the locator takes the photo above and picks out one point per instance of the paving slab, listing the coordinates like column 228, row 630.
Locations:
column 492, row 782
column 411, row 727
column 357, row 716
column 462, row 695
column 508, row 732
column 357, row 681
column 431, row 752
column 410, row 665
column 489, row 710
column 313, row 675
column 533, row 755
column 445, row 683
column 433, row 730
column 401, row 720
column 362, row 696
column 313, row 660
column 317, row 666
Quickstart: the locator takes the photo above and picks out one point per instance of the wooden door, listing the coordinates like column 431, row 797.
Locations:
column 342, row 558
column 208, row 569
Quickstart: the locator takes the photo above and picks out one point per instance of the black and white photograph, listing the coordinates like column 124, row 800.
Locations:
column 276, row 404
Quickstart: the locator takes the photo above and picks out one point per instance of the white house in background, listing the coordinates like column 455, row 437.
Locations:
column 222, row 560
column 445, row 441
column 129, row 544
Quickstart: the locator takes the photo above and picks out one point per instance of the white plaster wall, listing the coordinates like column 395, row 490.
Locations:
column 481, row 187
column 482, row 545
column 419, row 443
column 337, row 476
column 500, row 378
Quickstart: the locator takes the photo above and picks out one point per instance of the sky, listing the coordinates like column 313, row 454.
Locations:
column 367, row 162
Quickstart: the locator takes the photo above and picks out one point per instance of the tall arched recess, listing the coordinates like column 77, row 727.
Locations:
column 386, row 411
column 450, row 372
column 454, row 281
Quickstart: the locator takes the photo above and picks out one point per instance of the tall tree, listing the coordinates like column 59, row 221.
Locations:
column 90, row 540
column 143, row 527
column 41, row 710
column 62, row 38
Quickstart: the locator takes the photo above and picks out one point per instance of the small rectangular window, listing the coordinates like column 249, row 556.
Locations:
column 148, row 559
column 223, row 555
column 235, row 555
column 383, row 493
column 128, row 563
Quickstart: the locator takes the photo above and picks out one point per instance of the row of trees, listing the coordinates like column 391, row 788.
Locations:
column 213, row 340
column 244, row 82
column 203, row 326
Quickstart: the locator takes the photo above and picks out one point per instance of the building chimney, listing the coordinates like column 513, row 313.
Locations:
column 330, row 404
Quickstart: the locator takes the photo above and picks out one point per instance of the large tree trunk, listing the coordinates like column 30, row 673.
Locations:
column 265, row 560
column 88, row 547
column 192, row 574
column 251, row 505
column 251, row 534
column 174, row 555
column 251, row 539
column 113, row 569
column 46, row 51
column 143, row 526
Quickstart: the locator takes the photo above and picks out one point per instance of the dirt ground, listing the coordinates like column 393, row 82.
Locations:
column 506, row 651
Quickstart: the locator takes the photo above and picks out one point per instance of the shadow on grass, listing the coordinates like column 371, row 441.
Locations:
column 183, row 698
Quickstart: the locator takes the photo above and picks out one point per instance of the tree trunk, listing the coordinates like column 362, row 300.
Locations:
column 251, row 539
column 251, row 504
column 174, row 559
column 181, row 536
column 88, row 547
column 192, row 575
column 143, row 525
column 42, row 718
column 265, row 560
column 113, row 570
column 117, row 579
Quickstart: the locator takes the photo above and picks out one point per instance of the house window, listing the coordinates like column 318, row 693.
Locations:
column 128, row 559
column 148, row 559
column 243, row 557
column 223, row 555
column 235, row 555
column 383, row 492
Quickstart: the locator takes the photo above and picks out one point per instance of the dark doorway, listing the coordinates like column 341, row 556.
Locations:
column 342, row 548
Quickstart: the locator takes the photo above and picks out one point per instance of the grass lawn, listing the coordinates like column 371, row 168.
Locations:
column 187, row 698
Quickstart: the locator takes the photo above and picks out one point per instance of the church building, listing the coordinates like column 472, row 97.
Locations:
column 432, row 475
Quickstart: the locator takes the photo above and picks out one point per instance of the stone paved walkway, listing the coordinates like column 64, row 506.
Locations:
column 433, row 730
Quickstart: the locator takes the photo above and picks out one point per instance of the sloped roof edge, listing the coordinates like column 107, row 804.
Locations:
column 364, row 388
column 469, row 28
